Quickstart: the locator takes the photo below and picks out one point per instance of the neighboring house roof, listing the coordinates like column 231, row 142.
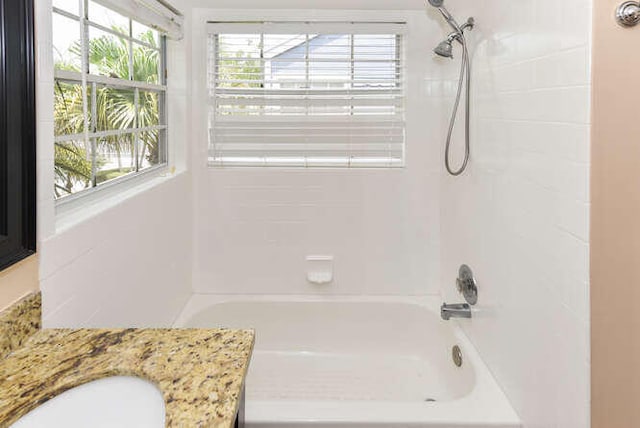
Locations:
column 293, row 45
column 296, row 54
column 330, row 60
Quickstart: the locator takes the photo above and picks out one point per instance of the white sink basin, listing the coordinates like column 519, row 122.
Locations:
column 115, row 402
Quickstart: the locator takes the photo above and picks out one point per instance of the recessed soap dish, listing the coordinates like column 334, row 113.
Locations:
column 320, row 269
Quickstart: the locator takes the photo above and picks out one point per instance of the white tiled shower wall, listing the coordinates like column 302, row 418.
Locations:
column 254, row 228
column 520, row 216
column 125, row 261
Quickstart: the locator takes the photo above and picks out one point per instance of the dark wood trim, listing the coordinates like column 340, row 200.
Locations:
column 17, row 131
column 240, row 416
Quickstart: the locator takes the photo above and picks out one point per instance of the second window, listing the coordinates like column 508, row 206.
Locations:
column 306, row 95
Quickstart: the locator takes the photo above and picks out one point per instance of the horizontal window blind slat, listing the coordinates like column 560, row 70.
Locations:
column 334, row 59
column 258, row 152
column 344, row 74
column 311, row 82
column 331, row 113
column 310, row 102
column 337, row 28
column 320, row 163
column 310, row 133
column 263, row 92
column 224, row 131
column 309, row 142
column 312, row 153
column 316, row 121
column 328, row 112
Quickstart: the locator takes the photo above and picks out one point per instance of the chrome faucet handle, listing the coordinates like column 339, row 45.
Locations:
column 628, row 14
column 466, row 285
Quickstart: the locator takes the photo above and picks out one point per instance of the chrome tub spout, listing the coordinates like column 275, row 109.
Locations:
column 459, row 310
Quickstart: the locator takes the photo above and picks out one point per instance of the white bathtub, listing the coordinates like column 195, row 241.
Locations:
column 356, row 362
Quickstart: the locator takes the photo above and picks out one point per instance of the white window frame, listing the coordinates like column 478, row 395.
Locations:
column 317, row 27
column 89, row 83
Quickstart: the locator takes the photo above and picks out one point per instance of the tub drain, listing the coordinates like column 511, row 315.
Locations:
column 456, row 354
column 430, row 400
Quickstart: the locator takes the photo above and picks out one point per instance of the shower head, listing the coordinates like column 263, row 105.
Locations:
column 436, row 3
column 444, row 49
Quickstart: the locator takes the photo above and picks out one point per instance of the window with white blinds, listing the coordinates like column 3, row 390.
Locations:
column 306, row 94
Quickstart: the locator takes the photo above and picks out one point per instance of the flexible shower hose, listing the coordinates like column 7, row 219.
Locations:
column 465, row 76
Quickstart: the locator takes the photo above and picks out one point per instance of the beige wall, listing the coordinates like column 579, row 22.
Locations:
column 17, row 281
column 615, row 246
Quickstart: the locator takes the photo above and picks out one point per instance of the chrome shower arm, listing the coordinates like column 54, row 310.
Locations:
column 471, row 22
column 446, row 15
column 450, row 20
column 459, row 36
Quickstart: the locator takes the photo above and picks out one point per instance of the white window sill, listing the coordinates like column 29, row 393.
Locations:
column 73, row 212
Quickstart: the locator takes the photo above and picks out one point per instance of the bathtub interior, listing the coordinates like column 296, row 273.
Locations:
column 345, row 351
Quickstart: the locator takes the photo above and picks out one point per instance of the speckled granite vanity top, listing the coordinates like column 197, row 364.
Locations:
column 19, row 322
column 200, row 372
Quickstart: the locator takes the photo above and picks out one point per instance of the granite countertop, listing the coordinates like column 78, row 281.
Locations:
column 200, row 372
column 19, row 322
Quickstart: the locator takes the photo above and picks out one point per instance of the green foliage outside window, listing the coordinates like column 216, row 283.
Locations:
column 115, row 110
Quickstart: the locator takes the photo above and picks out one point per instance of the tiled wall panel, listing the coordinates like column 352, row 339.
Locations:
column 254, row 227
column 123, row 259
column 520, row 216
